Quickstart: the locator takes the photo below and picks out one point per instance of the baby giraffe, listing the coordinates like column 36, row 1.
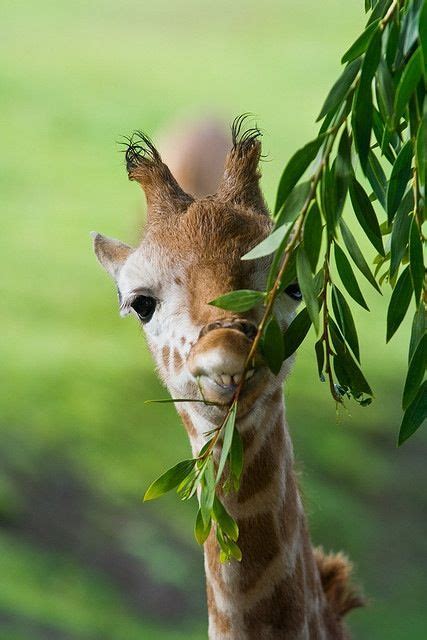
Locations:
column 190, row 254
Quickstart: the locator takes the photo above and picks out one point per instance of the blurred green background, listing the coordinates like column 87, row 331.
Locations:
column 80, row 556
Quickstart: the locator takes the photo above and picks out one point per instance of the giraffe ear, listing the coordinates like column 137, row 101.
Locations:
column 240, row 182
column 111, row 253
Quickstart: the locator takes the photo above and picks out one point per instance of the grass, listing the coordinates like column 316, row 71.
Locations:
column 73, row 79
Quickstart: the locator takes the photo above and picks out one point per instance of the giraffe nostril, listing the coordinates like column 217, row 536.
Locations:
column 249, row 329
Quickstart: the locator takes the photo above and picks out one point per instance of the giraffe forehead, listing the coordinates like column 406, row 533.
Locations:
column 207, row 241
column 209, row 227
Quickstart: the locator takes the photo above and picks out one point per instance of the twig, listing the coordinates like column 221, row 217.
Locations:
column 388, row 16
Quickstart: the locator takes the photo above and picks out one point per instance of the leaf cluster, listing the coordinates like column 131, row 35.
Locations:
column 203, row 477
column 369, row 161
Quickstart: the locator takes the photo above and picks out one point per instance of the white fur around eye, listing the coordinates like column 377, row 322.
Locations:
column 147, row 272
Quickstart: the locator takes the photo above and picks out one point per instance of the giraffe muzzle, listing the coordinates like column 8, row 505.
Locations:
column 218, row 358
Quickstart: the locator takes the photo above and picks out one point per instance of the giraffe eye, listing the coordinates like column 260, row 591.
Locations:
column 294, row 291
column 144, row 306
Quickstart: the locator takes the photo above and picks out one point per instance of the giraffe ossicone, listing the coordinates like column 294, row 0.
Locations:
column 190, row 254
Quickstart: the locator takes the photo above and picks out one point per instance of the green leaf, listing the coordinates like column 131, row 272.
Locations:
column 390, row 145
column 410, row 28
column 340, row 372
column 345, row 320
column 328, row 198
column 361, row 44
column 343, row 171
column 366, row 215
column 399, row 177
column 377, row 178
column 416, row 261
column 399, row 303
column 408, row 33
column 386, row 229
column 272, row 345
column 236, row 458
column 346, row 369
column 421, row 151
column 313, row 230
column 400, row 232
column 353, row 376
column 306, row 283
column 422, row 31
column 383, row 137
column 384, row 90
column 169, row 480
column 407, row 85
column 201, row 530
column 293, row 204
column 241, row 300
column 392, row 36
column 319, row 280
column 356, row 255
column 207, row 444
column 229, row 548
column 225, row 521
column 207, row 493
column 362, row 107
column 235, row 550
column 320, row 357
column 336, row 337
column 295, row 168
column 419, row 325
column 347, row 276
column 228, row 430
column 270, row 244
column 188, row 487
column 296, row 332
column 341, row 88
column 416, row 372
column 414, row 415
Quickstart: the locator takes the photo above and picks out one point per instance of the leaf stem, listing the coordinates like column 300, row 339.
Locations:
column 388, row 16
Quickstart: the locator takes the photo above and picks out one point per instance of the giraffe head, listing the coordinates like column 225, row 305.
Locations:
column 190, row 254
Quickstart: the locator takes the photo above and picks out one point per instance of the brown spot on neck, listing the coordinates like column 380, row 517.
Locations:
column 166, row 356
column 259, row 474
column 259, row 543
column 177, row 361
column 283, row 611
column 192, row 433
column 221, row 622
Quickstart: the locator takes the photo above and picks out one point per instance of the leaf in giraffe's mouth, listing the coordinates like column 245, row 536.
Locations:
column 206, row 477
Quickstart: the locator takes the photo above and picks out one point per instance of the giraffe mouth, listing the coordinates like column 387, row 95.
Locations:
column 226, row 385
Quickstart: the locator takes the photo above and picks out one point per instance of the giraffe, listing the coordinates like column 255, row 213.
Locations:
column 191, row 250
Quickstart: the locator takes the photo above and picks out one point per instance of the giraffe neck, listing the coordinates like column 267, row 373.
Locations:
column 275, row 591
